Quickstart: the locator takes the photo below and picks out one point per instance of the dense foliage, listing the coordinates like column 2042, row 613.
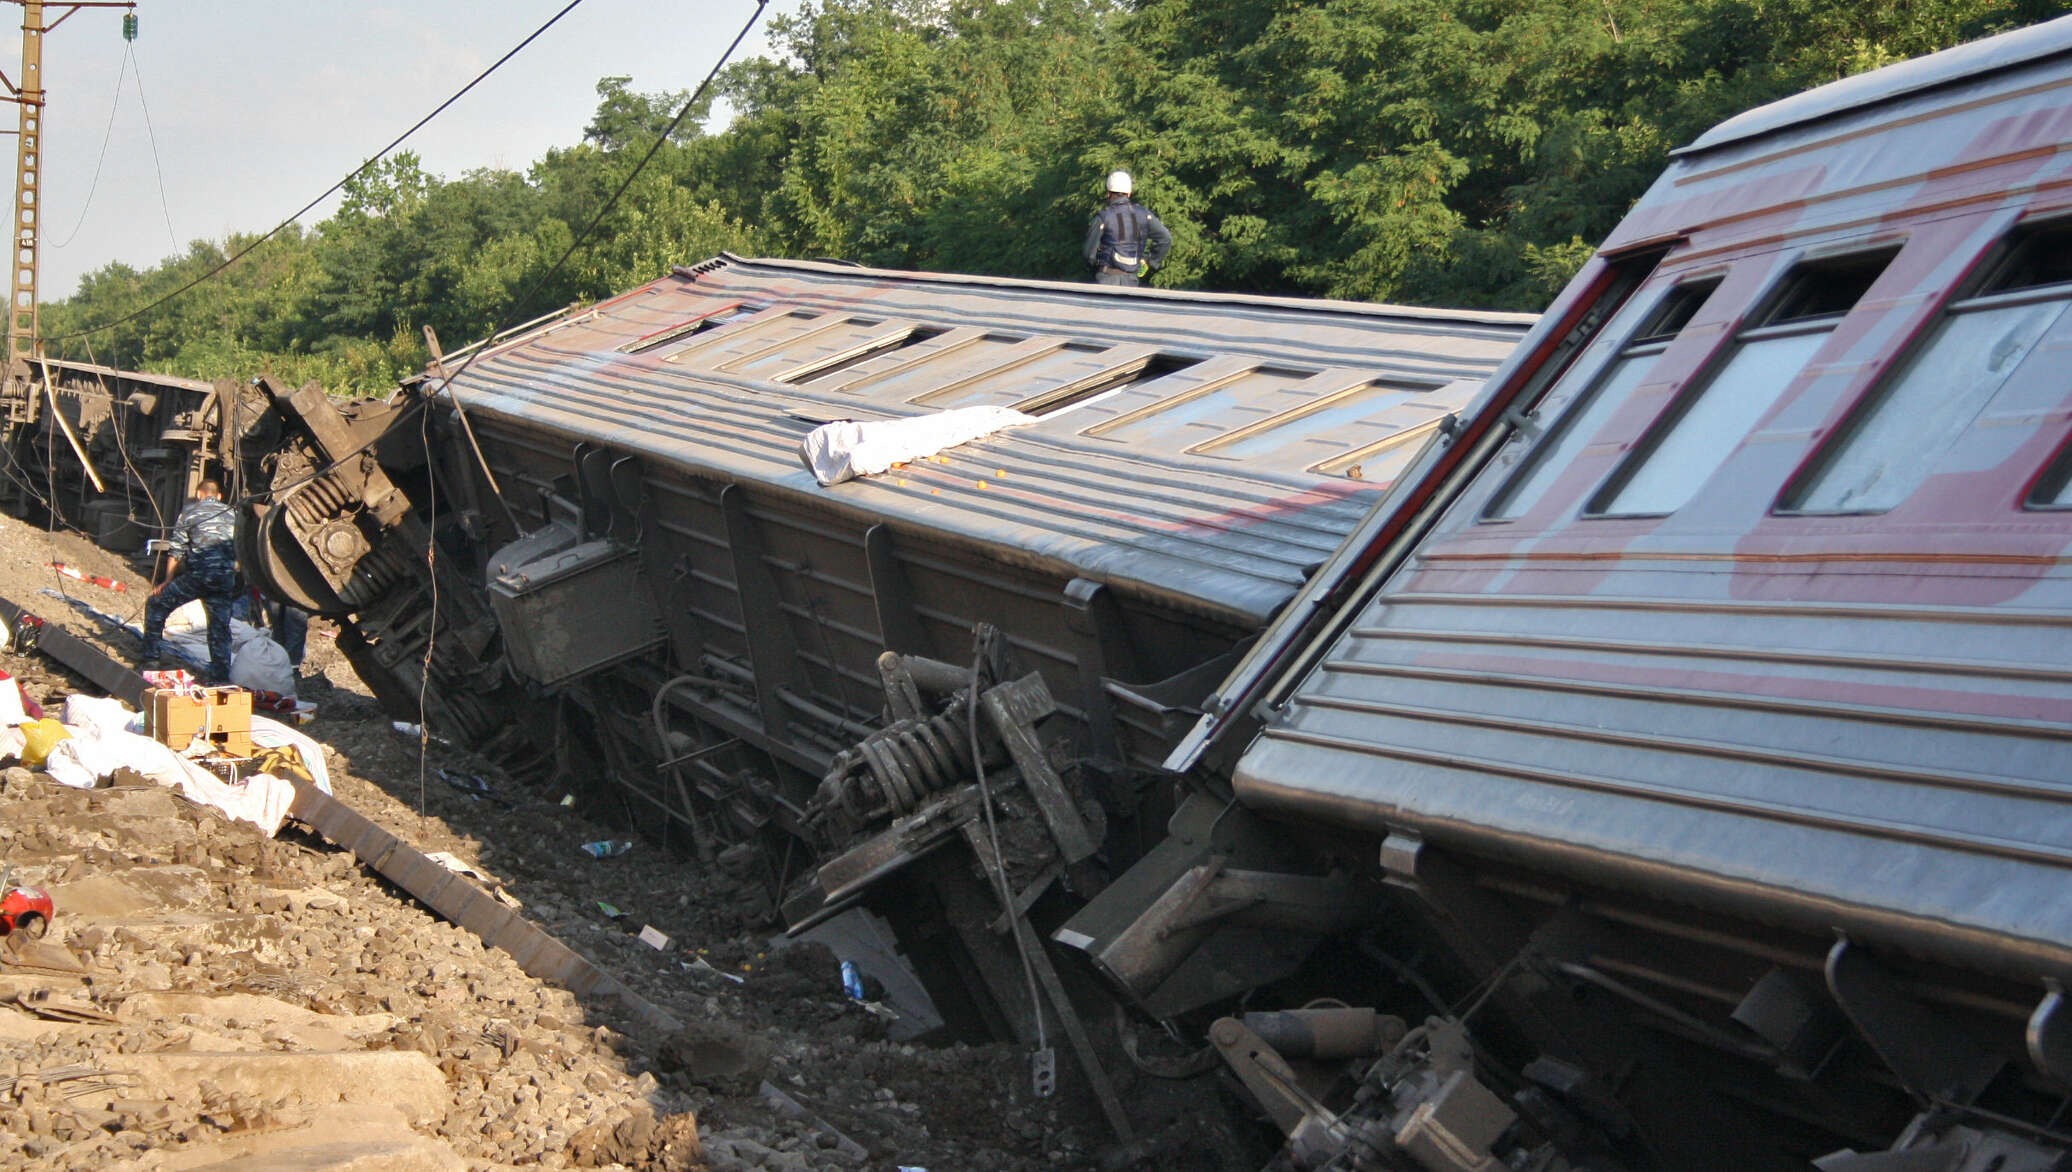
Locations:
column 1462, row 152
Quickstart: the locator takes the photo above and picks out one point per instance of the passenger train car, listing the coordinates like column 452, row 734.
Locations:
column 941, row 695
column 1642, row 748
column 116, row 453
column 1699, row 716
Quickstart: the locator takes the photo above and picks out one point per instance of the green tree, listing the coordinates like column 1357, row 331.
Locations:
column 1451, row 152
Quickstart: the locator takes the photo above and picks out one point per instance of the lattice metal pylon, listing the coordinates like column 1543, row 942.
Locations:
column 24, row 339
column 24, row 336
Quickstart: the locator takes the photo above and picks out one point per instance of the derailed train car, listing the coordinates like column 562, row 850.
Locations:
column 945, row 692
column 1667, row 771
column 1700, row 715
column 116, row 453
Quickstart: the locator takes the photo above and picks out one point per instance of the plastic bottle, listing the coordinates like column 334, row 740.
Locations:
column 606, row 848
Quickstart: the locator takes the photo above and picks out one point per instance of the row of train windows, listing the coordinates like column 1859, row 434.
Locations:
column 1957, row 385
column 1363, row 429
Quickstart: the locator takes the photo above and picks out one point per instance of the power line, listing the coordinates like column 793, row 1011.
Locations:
column 517, row 310
column 114, row 104
column 697, row 95
column 362, row 169
column 155, row 164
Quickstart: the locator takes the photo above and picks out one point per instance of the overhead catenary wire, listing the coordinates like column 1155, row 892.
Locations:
column 581, row 238
column 355, row 173
column 511, row 317
column 114, row 105
column 151, row 136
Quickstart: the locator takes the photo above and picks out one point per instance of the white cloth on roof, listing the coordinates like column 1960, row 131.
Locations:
column 834, row 452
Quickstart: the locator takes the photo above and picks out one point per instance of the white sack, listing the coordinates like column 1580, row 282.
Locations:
column 262, row 665
column 834, row 452
column 256, row 661
column 81, row 760
column 97, row 714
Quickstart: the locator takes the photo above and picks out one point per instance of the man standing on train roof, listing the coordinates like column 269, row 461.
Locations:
column 203, row 565
column 1125, row 242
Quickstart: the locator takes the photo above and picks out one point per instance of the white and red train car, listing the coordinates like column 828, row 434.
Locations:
column 1696, row 723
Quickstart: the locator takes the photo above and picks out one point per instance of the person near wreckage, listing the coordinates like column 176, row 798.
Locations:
column 202, row 564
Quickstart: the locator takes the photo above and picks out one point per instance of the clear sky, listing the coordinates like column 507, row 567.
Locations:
column 258, row 105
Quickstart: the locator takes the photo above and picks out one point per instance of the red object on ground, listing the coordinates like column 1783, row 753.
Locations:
column 27, row 910
column 95, row 579
column 265, row 701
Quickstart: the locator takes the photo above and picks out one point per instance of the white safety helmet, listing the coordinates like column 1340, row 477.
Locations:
column 1119, row 182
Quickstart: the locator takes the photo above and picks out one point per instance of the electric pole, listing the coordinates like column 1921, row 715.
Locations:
column 24, row 341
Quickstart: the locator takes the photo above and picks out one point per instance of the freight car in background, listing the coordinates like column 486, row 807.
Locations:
column 1701, row 712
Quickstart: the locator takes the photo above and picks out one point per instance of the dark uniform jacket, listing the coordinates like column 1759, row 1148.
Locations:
column 204, row 538
column 1127, row 237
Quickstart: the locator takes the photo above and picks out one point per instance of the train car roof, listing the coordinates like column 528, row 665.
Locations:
column 93, row 370
column 1905, row 79
column 1206, row 450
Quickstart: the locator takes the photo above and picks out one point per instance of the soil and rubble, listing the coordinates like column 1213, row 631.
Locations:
column 208, row 996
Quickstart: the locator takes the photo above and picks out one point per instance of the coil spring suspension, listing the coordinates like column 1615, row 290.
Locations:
column 894, row 770
column 319, row 501
column 324, row 501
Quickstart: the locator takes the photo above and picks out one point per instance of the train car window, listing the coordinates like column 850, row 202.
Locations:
column 1115, row 378
column 1952, row 384
column 1709, row 420
column 696, row 325
column 2054, row 491
column 865, row 351
column 1317, row 424
column 1575, row 424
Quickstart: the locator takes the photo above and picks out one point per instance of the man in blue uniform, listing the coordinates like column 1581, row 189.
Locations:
column 1125, row 241
column 203, row 565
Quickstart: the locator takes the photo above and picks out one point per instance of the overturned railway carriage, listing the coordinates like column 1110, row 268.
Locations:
column 1706, row 711
column 117, row 453
column 938, row 691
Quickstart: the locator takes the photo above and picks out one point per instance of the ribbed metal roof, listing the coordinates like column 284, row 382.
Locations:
column 61, row 367
column 1949, row 67
column 1202, row 449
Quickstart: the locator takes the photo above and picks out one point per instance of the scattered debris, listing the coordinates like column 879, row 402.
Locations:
column 203, row 936
column 24, row 910
column 100, row 580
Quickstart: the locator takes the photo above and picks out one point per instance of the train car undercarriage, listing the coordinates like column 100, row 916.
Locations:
column 947, row 697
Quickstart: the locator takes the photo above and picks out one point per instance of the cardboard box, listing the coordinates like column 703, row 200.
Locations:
column 222, row 716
